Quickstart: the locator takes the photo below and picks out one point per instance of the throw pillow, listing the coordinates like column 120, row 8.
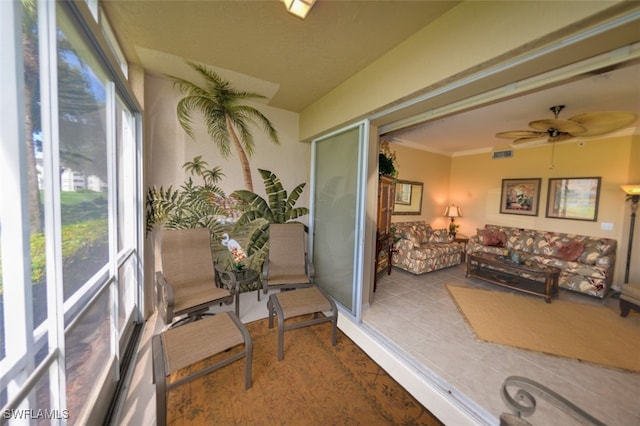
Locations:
column 439, row 236
column 493, row 238
column 409, row 235
column 570, row 251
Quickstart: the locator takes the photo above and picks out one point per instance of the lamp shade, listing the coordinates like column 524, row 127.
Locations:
column 453, row 211
column 631, row 189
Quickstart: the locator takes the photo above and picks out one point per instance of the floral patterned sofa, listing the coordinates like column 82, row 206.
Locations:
column 586, row 263
column 421, row 249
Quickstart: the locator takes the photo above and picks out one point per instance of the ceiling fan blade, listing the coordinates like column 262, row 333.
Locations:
column 560, row 137
column 521, row 141
column 516, row 134
column 599, row 123
column 565, row 126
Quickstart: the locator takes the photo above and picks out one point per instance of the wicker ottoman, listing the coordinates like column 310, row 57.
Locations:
column 629, row 298
column 302, row 301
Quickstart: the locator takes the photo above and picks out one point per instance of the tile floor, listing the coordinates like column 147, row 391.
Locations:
column 419, row 316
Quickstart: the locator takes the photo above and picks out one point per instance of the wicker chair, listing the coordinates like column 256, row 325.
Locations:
column 287, row 265
column 186, row 284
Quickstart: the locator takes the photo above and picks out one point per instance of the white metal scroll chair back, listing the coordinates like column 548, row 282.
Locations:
column 519, row 393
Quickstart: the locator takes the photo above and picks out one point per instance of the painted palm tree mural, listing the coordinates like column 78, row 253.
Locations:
column 227, row 119
column 193, row 205
column 243, row 215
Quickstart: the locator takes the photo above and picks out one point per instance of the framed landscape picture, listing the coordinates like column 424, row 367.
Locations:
column 403, row 193
column 520, row 196
column 408, row 198
column 573, row 198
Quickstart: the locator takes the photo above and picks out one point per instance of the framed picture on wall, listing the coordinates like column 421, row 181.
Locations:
column 520, row 196
column 403, row 193
column 573, row 198
column 408, row 198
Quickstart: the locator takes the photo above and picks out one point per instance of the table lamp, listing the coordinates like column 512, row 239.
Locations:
column 453, row 211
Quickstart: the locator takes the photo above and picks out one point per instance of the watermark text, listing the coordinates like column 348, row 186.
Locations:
column 35, row 414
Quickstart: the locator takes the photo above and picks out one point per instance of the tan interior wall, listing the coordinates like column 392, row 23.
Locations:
column 476, row 182
column 434, row 171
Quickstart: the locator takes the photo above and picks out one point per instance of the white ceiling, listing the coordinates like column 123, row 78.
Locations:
column 259, row 47
column 474, row 130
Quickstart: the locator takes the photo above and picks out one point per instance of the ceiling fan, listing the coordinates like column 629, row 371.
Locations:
column 587, row 124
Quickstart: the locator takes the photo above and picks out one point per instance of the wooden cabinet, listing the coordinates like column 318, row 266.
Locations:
column 384, row 243
column 386, row 196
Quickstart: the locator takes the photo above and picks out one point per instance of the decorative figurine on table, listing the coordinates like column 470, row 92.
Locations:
column 238, row 256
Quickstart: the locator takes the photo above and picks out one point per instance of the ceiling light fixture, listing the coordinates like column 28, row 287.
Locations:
column 300, row 8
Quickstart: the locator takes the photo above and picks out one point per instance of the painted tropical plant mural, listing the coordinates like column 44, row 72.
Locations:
column 243, row 216
column 193, row 205
column 259, row 213
column 227, row 118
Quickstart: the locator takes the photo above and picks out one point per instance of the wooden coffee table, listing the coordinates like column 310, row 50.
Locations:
column 528, row 277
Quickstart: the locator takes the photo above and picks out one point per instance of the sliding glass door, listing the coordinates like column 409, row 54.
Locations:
column 337, row 213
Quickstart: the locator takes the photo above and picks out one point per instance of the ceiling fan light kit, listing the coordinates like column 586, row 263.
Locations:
column 556, row 130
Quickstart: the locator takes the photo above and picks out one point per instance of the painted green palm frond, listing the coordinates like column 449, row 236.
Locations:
column 257, row 246
column 212, row 191
column 193, row 205
column 296, row 213
column 211, row 77
column 159, row 205
column 279, row 209
column 276, row 193
column 196, row 166
column 244, row 129
column 254, row 115
column 216, row 122
column 248, row 218
column 214, row 226
column 184, row 109
column 253, row 203
column 295, row 195
column 212, row 176
column 194, row 100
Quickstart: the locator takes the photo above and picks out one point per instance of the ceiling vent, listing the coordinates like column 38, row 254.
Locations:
column 505, row 153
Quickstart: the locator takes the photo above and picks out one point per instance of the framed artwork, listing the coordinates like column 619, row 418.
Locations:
column 520, row 196
column 408, row 197
column 573, row 198
column 403, row 194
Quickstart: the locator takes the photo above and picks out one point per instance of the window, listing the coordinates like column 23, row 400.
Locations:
column 69, row 216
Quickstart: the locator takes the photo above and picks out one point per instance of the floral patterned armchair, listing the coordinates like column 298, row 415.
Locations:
column 420, row 249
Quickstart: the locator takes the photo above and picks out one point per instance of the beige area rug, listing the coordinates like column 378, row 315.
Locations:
column 595, row 334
